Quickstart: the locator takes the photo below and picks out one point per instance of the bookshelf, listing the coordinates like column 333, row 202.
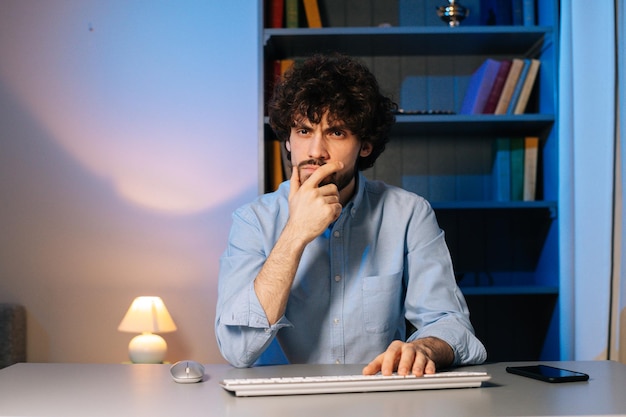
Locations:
column 505, row 252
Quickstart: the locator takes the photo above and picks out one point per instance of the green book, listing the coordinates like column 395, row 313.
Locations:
column 501, row 170
column 292, row 13
column 517, row 169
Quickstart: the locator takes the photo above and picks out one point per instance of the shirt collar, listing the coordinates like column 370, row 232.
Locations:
column 355, row 202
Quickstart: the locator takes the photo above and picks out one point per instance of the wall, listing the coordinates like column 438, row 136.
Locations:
column 128, row 134
column 586, row 168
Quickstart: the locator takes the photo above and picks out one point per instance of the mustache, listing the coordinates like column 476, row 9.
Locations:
column 313, row 161
column 318, row 162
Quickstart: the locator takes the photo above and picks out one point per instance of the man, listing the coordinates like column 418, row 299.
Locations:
column 333, row 267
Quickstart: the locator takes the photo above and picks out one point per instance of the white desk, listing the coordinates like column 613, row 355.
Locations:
column 147, row 390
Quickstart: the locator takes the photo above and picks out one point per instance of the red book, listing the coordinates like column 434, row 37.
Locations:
column 275, row 10
column 496, row 89
column 479, row 87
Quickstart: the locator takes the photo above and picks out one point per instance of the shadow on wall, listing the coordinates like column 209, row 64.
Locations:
column 120, row 166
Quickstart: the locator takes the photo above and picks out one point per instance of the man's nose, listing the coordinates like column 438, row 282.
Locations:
column 317, row 146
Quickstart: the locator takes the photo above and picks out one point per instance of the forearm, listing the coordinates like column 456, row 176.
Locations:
column 273, row 283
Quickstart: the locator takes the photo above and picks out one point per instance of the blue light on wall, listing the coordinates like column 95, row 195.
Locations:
column 143, row 94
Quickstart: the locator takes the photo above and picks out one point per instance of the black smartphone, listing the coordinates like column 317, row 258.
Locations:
column 547, row 373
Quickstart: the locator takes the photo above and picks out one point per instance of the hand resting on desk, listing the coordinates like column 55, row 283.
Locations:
column 419, row 357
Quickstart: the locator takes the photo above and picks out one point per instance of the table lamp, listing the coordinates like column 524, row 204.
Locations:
column 147, row 315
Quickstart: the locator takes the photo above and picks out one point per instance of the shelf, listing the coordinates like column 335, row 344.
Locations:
column 551, row 206
column 511, row 290
column 406, row 40
column 496, row 237
column 467, row 125
column 512, row 323
column 473, row 125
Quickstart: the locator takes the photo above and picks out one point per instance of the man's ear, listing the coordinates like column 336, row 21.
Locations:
column 366, row 149
column 288, row 148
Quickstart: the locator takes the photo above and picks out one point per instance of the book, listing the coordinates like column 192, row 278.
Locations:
column 496, row 12
column 275, row 166
column 527, row 87
column 531, row 154
column 272, row 72
column 479, row 87
column 518, row 86
column 292, row 13
column 312, row 11
column 528, row 10
column 275, row 72
column 285, row 64
column 275, row 13
column 509, row 86
column 517, row 169
column 496, row 89
column 501, row 169
column 277, row 169
column 517, row 10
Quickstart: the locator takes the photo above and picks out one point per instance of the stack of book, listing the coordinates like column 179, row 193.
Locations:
column 515, row 168
column 292, row 14
column 284, row 14
column 504, row 87
column 501, row 87
column 507, row 12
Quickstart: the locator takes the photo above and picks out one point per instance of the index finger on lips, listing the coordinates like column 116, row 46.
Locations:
column 322, row 172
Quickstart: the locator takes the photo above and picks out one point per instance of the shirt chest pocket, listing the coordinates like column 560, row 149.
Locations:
column 382, row 302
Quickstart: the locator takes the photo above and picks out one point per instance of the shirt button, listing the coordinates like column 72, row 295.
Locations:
column 336, row 321
column 337, row 233
column 337, row 278
column 338, row 361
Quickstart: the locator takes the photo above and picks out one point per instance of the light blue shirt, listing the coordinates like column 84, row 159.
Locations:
column 382, row 263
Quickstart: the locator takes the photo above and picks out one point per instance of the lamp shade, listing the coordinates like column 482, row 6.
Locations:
column 147, row 315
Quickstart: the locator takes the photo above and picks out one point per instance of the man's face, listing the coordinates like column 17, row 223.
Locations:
column 313, row 145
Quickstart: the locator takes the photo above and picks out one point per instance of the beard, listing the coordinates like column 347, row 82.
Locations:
column 341, row 180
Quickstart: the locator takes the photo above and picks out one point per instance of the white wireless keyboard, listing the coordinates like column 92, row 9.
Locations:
column 351, row 383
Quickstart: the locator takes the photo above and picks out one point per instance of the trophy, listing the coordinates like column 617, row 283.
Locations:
column 453, row 13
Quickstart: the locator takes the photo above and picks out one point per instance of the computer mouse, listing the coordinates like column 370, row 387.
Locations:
column 187, row 372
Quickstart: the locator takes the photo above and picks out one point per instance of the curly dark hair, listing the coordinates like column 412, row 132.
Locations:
column 341, row 86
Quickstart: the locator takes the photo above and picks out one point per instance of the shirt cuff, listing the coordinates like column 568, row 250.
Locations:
column 467, row 349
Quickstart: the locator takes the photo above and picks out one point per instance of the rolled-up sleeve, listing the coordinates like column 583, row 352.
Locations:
column 434, row 303
column 241, row 326
column 242, row 330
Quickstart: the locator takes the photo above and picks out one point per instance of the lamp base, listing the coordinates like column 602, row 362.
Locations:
column 147, row 348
